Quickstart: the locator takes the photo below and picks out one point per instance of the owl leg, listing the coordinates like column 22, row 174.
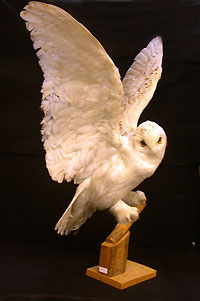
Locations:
column 134, row 198
column 124, row 213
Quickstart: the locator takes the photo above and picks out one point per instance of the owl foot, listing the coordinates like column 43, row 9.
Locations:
column 134, row 198
column 124, row 213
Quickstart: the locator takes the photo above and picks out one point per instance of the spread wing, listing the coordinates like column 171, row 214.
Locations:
column 140, row 83
column 81, row 91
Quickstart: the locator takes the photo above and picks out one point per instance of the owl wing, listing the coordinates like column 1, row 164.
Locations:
column 81, row 91
column 140, row 83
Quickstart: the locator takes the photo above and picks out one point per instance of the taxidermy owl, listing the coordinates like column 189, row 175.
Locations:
column 90, row 130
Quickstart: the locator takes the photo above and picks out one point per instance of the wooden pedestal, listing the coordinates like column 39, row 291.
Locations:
column 114, row 268
column 112, row 259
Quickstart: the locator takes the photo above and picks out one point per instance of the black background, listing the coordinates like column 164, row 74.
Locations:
column 36, row 263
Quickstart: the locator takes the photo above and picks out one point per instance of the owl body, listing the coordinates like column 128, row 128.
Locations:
column 126, row 169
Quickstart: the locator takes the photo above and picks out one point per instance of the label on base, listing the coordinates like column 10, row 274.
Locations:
column 103, row 270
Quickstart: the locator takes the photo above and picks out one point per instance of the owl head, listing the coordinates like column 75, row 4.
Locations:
column 150, row 140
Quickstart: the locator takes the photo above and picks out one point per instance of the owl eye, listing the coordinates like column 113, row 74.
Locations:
column 143, row 143
column 159, row 140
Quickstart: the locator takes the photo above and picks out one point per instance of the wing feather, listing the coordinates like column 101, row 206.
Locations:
column 81, row 91
column 140, row 83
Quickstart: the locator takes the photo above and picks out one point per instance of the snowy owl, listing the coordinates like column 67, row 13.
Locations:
column 89, row 129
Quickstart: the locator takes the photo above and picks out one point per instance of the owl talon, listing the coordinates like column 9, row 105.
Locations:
column 124, row 213
column 134, row 198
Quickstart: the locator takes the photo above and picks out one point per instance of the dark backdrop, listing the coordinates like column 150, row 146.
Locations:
column 31, row 203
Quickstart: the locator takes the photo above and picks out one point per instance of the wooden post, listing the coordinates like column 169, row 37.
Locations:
column 114, row 268
column 113, row 256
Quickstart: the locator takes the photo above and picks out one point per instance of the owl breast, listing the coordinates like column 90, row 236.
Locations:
column 118, row 176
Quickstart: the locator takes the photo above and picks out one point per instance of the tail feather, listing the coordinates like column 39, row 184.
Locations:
column 78, row 211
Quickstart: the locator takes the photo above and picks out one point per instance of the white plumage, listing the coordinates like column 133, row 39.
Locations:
column 89, row 129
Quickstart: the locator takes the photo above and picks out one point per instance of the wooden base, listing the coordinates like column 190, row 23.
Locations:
column 134, row 274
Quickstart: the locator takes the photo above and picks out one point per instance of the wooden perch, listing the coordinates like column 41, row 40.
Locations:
column 114, row 268
column 114, row 250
